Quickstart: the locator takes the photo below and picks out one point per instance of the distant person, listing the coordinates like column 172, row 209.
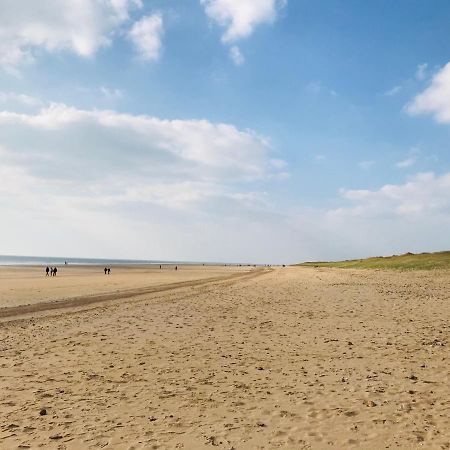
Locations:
column 47, row 270
column 106, row 270
column 54, row 271
column 51, row 271
column 109, row 270
column 160, row 266
column 65, row 263
column 176, row 267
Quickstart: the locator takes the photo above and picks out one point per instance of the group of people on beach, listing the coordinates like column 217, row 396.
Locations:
column 50, row 271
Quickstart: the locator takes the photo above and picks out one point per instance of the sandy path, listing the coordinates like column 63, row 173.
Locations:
column 295, row 358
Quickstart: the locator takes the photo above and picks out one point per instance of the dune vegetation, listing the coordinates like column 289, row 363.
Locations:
column 407, row 261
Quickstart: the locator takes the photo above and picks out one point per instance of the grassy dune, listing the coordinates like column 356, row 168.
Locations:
column 438, row 260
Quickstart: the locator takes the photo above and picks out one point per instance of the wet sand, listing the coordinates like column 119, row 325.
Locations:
column 296, row 358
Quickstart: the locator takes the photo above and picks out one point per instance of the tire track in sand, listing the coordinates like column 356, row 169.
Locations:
column 82, row 303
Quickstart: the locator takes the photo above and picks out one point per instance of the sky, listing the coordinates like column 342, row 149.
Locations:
column 265, row 131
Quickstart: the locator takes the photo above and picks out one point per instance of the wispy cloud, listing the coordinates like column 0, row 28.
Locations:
column 112, row 93
column 317, row 87
column 421, row 71
column 414, row 153
column 22, row 99
column 320, row 157
column 366, row 165
column 236, row 55
column 394, row 91
column 408, row 162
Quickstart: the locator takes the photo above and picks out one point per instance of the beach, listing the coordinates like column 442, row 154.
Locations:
column 28, row 285
column 226, row 357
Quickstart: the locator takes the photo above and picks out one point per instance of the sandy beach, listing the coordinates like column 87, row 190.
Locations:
column 233, row 358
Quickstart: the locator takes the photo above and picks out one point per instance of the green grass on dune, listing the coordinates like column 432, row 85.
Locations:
column 438, row 260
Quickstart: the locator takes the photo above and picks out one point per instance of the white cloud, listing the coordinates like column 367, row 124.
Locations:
column 317, row 87
column 111, row 93
column 319, row 157
column 423, row 193
column 240, row 17
column 394, row 91
column 366, row 165
column 66, row 143
column 146, row 36
column 79, row 26
column 314, row 87
column 7, row 98
column 414, row 154
column 408, row 162
column 421, row 71
column 100, row 183
column 236, row 56
column 435, row 99
column 104, row 183
column 396, row 218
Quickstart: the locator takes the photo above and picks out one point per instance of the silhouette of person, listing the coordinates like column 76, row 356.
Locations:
column 176, row 267
column 160, row 266
column 106, row 270
column 109, row 270
column 47, row 270
column 54, row 271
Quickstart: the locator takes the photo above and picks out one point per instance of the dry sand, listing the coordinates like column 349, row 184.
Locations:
column 293, row 358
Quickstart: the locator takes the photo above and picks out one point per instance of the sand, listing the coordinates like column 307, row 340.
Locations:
column 295, row 358
column 29, row 285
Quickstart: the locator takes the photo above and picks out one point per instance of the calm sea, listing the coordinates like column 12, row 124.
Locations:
column 6, row 260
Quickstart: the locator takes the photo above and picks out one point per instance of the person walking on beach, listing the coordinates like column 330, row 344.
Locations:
column 106, row 270
column 176, row 267
column 109, row 270
column 47, row 270
column 54, row 271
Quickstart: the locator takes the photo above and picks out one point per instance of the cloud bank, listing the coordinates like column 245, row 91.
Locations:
column 157, row 188
column 102, row 183
column 122, row 157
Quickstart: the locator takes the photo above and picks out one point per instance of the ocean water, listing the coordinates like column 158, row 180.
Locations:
column 8, row 260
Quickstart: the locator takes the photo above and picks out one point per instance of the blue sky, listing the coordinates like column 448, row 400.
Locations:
column 259, row 130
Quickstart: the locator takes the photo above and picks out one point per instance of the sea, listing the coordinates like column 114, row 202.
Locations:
column 9, row 260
